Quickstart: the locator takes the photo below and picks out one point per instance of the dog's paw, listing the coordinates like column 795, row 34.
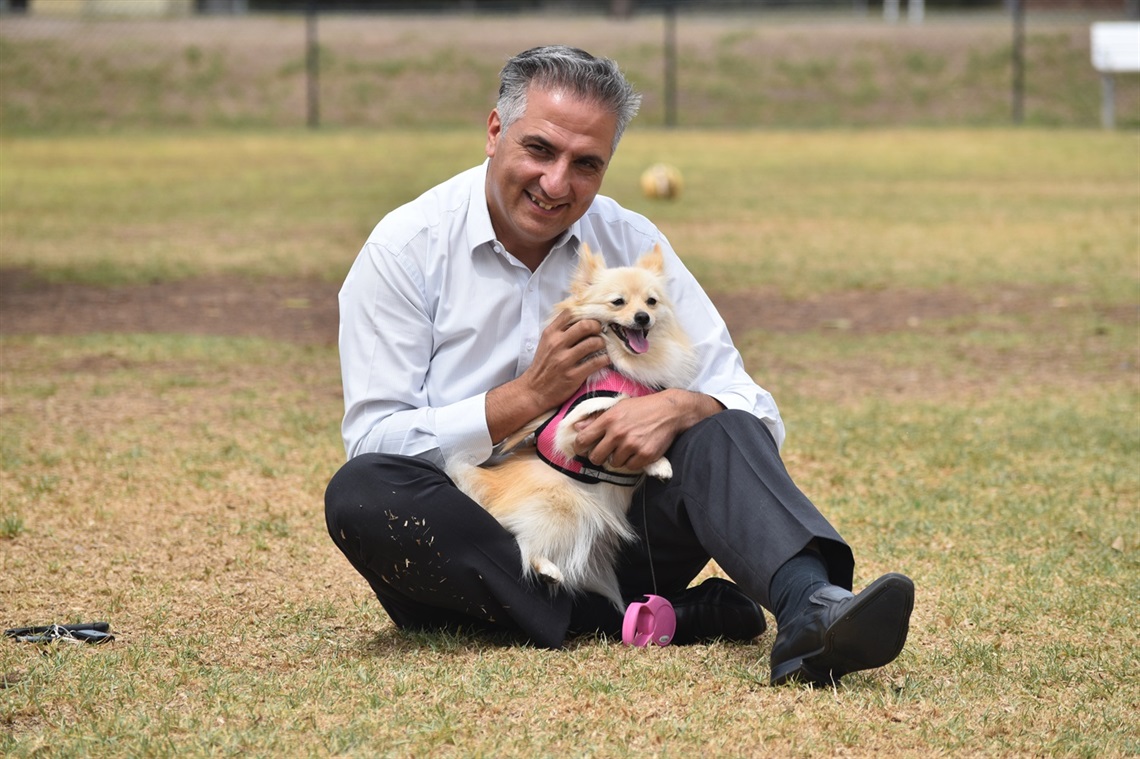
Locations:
column 661, row 469
column 546, row 571
column 565, row 436
column 591, row 407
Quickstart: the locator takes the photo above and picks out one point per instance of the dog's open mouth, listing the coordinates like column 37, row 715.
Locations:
column 636, row 340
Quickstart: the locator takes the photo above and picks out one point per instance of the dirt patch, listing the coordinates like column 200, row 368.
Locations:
column 300, row 311
column 1067, row 346
column 305, row 311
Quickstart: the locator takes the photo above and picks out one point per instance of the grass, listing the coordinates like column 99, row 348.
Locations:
column 200, row 538
column 795, row 212
column 172, row 484
column 903, row 208
column 289, row 205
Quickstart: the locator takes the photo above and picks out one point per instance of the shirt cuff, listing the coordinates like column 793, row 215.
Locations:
column 735, row 402
column 463, row 432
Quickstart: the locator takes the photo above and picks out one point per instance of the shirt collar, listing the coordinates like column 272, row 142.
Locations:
column 480, row 231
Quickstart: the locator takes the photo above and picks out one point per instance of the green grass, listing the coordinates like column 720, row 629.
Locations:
column 900, row 208
column 172, row 484
column 792, row 211
column 113, row 210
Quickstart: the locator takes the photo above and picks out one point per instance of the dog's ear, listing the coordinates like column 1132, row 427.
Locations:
column 654, row 260
column 589, row 264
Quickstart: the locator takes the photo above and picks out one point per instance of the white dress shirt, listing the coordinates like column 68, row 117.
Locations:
column 435, row 312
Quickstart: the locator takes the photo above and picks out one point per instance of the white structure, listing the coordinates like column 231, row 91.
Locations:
column 1115, row 50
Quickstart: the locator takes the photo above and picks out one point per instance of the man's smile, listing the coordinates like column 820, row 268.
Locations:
column 540, row 204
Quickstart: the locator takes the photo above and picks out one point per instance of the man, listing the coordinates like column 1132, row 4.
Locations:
column 444, row 354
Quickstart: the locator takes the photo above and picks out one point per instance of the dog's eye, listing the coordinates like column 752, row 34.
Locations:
column 651, row 302
column 619, row 302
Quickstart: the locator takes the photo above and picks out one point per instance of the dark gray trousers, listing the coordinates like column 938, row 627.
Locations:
column 435, row 559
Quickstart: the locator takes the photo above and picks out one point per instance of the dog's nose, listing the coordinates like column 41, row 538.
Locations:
column 641, row 319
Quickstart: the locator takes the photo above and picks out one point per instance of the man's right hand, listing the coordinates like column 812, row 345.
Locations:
column 568, row 352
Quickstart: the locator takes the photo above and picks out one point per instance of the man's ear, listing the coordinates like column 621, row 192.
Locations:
column 494, row 132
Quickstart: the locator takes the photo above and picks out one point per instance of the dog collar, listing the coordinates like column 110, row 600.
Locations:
column 604, row 384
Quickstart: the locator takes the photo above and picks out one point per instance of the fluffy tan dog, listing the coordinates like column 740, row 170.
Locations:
column 569, row 516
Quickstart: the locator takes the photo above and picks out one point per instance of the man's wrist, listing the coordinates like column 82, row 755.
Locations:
column 691, row 407
column 509, row 406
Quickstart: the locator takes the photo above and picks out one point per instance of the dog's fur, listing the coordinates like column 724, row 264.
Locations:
column 569, row 531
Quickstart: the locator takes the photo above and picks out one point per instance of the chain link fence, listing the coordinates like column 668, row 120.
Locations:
column 415, row 71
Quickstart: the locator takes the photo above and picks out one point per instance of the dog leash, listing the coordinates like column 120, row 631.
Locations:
column 648, row 546
column 652, row 621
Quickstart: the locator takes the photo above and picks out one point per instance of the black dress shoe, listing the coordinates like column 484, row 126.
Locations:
column 840, row 633
column 715, row 610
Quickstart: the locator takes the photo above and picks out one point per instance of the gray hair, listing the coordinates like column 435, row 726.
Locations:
column 560, row 67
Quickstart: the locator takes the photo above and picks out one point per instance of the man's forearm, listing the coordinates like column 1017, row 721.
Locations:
column 510, row 406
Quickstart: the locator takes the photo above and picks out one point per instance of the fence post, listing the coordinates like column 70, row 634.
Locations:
column 1107, row 101
column 915, row 11
column 312, row 64
column 670, row 64
column 1018, row 93
column 891, row 11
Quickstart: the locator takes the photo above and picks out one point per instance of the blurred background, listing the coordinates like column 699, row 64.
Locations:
column 77, row 66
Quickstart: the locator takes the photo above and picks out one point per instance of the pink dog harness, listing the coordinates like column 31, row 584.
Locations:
column 605, row 384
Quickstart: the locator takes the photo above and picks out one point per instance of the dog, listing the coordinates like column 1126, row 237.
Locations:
column 569, row 516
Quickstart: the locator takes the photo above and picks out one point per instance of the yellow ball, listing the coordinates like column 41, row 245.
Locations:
column 661, row 181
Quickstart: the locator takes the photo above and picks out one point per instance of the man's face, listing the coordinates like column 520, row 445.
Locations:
column 545, row 169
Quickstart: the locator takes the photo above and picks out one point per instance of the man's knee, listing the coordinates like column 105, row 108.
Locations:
column 740, row 423
column 731, row 427
column 373, row 475
column 371, row 489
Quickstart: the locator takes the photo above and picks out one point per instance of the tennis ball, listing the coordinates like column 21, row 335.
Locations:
column 661, row 181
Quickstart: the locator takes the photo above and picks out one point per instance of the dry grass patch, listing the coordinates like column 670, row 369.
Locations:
column 172, row 486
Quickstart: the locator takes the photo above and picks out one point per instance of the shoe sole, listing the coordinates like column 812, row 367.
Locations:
column 871, row 633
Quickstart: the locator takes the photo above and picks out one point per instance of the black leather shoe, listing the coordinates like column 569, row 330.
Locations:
column 840, row 633
column 715, row 610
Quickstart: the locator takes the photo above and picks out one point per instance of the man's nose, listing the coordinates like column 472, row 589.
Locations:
column 556, row 180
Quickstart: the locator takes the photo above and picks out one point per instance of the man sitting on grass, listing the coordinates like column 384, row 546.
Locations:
column 443, row 354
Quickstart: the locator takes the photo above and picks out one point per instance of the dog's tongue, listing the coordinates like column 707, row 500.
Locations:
column 638, row 341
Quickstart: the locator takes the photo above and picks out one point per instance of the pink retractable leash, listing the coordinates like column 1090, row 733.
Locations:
column 653, row 620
